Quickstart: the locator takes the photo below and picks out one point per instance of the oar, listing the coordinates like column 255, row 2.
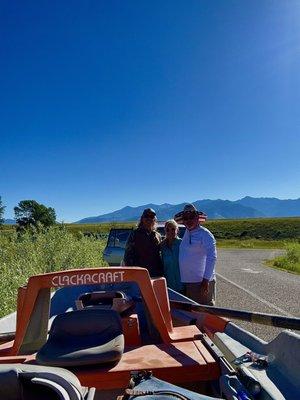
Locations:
column 251, row 316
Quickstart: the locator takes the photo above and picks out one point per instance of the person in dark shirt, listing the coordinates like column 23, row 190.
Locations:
column 143, row 245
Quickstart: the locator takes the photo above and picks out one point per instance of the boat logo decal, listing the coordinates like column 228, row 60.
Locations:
column 84, row 279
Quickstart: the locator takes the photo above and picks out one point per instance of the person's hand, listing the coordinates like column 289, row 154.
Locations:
column 204, row 287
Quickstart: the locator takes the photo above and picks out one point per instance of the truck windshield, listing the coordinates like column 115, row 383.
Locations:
column 118, row 237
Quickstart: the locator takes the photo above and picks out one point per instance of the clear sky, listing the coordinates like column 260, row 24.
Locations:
column 105, row 104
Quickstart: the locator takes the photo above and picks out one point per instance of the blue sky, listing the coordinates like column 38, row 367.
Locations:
column 111, row 103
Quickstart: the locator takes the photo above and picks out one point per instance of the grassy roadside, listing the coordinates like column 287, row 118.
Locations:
column 290, row 261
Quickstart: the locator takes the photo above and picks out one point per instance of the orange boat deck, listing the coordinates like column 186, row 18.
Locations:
column 175, row 362
column 184, row 360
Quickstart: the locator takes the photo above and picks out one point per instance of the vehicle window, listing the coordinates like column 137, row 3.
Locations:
column 118, row 237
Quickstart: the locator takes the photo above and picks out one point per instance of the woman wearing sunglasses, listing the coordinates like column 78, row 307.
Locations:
column 197, row 257
column 170, row 256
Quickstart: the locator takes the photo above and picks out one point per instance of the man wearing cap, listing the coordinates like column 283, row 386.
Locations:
column 197, row 257
column 143, row 245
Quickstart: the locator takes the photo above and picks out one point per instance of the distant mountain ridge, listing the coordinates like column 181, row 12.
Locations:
column 247, row 207
column 273, row 207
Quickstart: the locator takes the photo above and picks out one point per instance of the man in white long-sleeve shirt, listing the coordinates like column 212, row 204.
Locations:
column 197, row 257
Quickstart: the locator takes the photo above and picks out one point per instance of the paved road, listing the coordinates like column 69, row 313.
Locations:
column 244, row 282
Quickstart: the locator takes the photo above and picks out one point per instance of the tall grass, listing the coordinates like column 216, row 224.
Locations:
column 39, row 252
column 290, row 261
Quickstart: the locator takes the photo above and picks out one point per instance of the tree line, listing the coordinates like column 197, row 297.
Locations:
column 30, row 213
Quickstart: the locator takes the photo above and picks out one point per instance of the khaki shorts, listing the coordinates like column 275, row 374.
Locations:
column 192, row 290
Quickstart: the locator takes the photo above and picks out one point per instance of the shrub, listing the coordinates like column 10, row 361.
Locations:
column 291, row 260
column 36, row 252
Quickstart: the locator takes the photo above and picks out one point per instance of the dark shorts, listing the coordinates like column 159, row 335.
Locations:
column 193, row 291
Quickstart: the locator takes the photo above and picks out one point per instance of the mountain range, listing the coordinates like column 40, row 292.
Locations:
column 247, row 207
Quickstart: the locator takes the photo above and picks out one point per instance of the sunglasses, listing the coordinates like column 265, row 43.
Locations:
column 189, row 217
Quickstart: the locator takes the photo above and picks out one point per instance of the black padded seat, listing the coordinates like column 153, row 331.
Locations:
column 85, row 337
column 35, row 382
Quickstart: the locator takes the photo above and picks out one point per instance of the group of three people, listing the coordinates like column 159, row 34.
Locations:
column 188, row 264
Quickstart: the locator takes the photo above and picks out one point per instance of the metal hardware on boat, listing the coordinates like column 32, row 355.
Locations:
column 225, row 366
column 259, row 360
column 137, row 376
column 242, row 359
column 244, row 376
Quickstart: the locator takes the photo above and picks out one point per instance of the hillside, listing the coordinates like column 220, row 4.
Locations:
column 247, row 207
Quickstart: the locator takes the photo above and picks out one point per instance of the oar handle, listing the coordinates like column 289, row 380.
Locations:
column 251, row 316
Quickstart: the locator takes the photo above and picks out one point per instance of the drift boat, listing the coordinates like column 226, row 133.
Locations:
column 117, row 333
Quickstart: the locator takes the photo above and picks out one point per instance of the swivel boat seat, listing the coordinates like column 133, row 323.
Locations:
column 34, row 382
column 83, row 337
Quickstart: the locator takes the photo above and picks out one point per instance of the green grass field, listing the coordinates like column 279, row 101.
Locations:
column 277, row 229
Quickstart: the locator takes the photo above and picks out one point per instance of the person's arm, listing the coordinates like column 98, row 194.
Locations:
column 211, row 256
column 130, row 255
